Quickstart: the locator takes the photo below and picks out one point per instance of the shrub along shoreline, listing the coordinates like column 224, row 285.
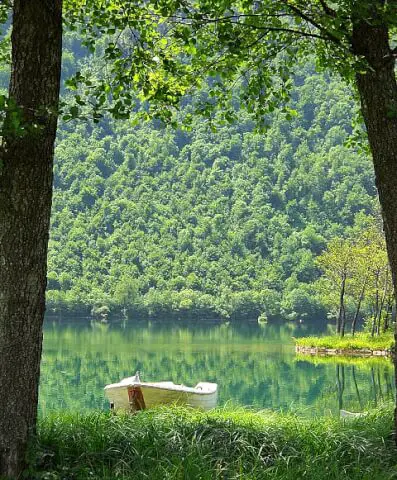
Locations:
column 362, row 344
column 176, row 443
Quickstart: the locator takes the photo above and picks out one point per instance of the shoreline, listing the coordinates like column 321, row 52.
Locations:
column 363, row 344
column 349, row 352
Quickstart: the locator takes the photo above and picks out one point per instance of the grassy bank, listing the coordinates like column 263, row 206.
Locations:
column 361, row 341
column 234, row 444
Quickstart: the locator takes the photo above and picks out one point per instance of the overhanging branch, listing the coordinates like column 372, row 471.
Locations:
column 286, row 30
column 327, row 9
column 330, row 36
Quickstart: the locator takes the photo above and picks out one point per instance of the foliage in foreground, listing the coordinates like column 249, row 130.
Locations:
column 359, row 341
column 178, row 443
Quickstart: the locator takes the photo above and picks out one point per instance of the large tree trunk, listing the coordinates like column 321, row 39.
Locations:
column 377, row 88
column 25, row 203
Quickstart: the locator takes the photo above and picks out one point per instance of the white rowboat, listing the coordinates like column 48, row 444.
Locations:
column 130, row 394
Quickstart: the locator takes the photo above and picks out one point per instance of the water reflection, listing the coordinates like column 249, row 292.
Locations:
column 254, row 366
column 360, row 383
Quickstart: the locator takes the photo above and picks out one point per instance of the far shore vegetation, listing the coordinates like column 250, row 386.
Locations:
column 356, row 282
column 176, row 443
column 356, row 279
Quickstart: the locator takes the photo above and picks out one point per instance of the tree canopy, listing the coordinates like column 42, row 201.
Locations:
column 165, row 50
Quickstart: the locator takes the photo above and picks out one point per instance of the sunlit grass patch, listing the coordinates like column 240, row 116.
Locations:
column 175, row 443
column 362, row 341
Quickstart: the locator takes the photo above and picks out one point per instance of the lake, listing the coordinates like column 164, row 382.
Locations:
column 253, row 365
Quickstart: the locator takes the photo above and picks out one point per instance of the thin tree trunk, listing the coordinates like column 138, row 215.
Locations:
column 339, row 320
column 377, row 88
column 357, row 312
column 342, row 328
column 25, row 204
column 376, row 308
column 382, row 302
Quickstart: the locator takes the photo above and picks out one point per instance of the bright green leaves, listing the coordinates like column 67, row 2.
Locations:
column 13, row 121
column 160, row 51
column 139, row 61
column 361, row 262
column 154, row 53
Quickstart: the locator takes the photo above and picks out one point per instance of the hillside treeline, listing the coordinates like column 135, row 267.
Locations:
column 227, row 223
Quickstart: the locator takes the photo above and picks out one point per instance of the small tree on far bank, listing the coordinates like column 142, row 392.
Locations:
column 337, row 267
column 356, row 278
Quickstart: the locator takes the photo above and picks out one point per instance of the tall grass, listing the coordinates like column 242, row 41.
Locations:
column 237, row 444
column 359, row 341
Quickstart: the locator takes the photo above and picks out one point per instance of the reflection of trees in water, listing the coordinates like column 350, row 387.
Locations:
column 340, row 383
column 373, row 384
column 380, row 385
column 356, row 386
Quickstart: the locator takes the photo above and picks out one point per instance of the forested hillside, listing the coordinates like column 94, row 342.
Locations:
column 227, row 223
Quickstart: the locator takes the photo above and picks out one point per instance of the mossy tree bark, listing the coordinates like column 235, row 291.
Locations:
column 377, row 88
column 25, row 204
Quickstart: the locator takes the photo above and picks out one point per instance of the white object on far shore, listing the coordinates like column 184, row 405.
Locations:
column 130, row 394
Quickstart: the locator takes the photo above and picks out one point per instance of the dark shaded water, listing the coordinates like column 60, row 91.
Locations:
column 253, row 365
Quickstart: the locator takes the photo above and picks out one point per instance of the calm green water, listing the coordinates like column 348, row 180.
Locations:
column 254, row 366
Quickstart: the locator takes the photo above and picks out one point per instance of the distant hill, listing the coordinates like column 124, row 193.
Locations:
column 162, row 222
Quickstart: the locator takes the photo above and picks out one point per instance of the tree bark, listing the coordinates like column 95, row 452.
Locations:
column 25, row 204
column 377, row 88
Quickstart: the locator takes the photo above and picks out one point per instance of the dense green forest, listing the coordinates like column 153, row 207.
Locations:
column 154, row 221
